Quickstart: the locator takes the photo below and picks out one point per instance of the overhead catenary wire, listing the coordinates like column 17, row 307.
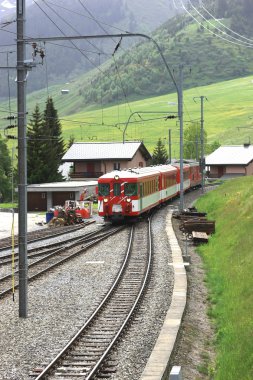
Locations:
column 83, row 15
column 97, row 21
column 92, row 63
column 122, row 87
column 71, row 26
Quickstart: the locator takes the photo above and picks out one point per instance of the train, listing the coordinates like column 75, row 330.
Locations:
column 126, row 195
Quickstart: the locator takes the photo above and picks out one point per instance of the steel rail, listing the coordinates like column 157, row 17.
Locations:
column 80, row 334
column 52, row 235
column 61, row 261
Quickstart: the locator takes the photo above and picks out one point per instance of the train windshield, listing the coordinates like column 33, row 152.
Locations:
column 130, row 189
column 116, row 189
column 103, row 189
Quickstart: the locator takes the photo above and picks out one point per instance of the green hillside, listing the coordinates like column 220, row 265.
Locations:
column 141, row 72
column 228, row 261
column 228, row 106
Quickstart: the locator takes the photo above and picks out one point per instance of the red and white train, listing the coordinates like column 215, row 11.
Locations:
column 128, row 194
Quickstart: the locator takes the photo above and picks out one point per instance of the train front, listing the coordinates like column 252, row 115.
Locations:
column 117, row 196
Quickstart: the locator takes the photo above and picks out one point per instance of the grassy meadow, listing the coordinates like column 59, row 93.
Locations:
column 229, row 264
column 228, row 106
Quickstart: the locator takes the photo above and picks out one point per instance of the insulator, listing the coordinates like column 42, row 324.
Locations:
column 42, row 54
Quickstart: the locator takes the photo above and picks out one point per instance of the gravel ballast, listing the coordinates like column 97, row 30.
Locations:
column 60, row 302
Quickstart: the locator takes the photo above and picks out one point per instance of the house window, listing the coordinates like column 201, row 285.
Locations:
column 71, row 195
column 43, row 195
column 116, row 166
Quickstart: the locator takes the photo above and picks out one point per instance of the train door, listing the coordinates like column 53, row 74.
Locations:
column 141, row 195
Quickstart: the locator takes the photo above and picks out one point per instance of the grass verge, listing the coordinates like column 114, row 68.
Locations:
column 228, row 261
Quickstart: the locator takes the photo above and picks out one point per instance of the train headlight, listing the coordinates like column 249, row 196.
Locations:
column 105, row 200
column 128, row 200
column 116, row 177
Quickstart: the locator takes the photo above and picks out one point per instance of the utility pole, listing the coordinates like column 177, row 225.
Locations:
column 170, row 146
column 202, row 152
column 22, row 161
column 180, row 116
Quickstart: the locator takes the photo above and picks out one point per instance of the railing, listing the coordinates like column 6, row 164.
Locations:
column 86, row 174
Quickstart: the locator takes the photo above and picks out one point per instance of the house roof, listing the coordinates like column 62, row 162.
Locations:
column 104, row 151
column 231, row 155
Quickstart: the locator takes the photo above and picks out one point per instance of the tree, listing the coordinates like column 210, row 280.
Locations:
column 5, row 172
column 160, row 155
column 55, row 145
column 45, row 145
column 71, row 141
column 192, row 141
column 36, row 147
column 212, row 147
column 221, row 8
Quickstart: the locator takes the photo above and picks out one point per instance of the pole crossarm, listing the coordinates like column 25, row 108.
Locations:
column 140, row 112
column 99, row 36
column 179, row 88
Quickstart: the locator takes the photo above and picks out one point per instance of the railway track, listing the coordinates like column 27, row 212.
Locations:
column 53, row 257
column 40, row 250
column 88, row 353
column 37, row 236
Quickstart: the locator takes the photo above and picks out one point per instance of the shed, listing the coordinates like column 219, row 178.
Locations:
column 42, row 197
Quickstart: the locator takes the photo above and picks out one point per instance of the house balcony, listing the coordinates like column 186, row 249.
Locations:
column 85, row 175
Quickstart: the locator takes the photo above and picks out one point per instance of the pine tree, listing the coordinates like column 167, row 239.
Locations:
column 36, row 147
column 55, row 145
column 160, row 155
column 45, row 146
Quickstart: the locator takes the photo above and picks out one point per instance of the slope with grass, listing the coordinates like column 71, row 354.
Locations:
column 228, row 108
column 228, row 261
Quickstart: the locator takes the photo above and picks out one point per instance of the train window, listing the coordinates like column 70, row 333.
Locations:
column 116, row 189
column 157, row 184
column 130, row 189
column 103, row 189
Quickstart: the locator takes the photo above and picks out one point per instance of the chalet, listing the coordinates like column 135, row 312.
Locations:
column 231, row 161
column 91, row 160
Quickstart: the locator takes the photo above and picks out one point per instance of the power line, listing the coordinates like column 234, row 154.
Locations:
column 234, row 38
column 224, row 26
column 71, row 26
column 212, row 32
column 85, row 16
column 70, row 41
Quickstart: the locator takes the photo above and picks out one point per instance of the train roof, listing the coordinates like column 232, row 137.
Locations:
column 139, row 172
column 185, row 162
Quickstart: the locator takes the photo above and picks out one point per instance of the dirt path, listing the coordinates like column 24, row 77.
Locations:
column 195, row 346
